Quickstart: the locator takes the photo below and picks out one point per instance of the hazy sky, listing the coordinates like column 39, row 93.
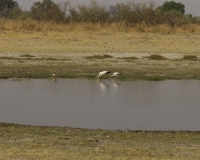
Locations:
column 191, row 6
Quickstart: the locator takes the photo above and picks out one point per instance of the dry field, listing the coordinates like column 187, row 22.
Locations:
column 84, row 53
column 29, row 142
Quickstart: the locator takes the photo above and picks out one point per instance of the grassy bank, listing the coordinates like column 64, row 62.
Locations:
column 85, row 66
column 83, row 54
column 29, row 142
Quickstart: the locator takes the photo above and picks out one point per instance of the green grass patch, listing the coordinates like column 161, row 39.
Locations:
column 156, row 57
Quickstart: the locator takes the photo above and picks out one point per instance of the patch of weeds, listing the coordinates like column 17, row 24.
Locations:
column 156, row 57
column 129, row 58
column 64, row 59
column 99, row 56
column 9, row 58
column 26, row 55
column 190, row 58
column 51, row 59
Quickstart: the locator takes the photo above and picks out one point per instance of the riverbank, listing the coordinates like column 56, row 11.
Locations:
column 32, row 142
column 150, row 56
column 133, row 66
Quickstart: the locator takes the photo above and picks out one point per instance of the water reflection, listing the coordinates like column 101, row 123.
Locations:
column 105, row 84
column 115, row 83
column 105, row 104
column 102, row 84
column 53, row 79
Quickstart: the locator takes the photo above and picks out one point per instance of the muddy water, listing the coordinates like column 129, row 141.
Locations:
column 135, row 105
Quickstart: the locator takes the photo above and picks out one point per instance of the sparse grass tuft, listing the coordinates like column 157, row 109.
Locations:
column 8, row 58
column 156, row 57
column 132, row 57
column 99, row 56
column 26, row 55
column 190, row 57
column 129, row 58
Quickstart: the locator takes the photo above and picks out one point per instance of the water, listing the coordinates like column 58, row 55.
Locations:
column 82, row 103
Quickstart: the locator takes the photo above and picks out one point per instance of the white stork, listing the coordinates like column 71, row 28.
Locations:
column 115, row 74
column 101, row 74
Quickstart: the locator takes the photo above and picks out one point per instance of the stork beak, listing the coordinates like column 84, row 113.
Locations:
column 96, row 77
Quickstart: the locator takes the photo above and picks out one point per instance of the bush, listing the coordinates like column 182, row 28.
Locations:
column 6, row 7
column 94, row 13
column 130, row 14
column 168, row 6
column 47, row 11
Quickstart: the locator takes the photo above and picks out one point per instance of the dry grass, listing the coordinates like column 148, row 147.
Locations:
column 47, row 37
column 29, row 142
column 26, row 42
column 190, row 57
column 35, row 26
column 85, row 49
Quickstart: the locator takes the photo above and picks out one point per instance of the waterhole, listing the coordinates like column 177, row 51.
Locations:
column 103, row 104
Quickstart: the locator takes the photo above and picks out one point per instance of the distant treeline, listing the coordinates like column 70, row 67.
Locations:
column 131, row 13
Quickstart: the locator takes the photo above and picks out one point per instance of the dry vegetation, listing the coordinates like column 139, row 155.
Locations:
column 45, row 27
column 29, row 142
column 82, row 50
